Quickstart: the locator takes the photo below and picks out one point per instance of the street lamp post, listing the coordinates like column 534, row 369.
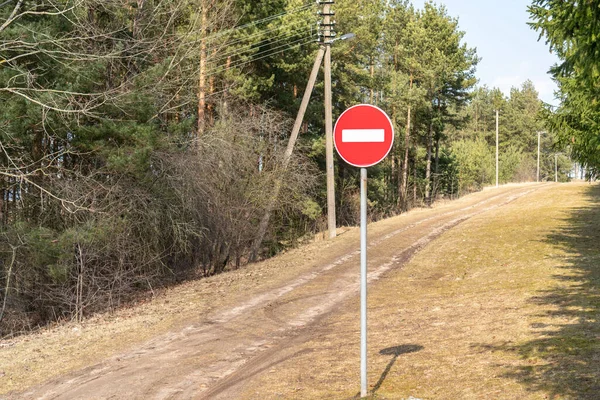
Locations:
column 556, row 167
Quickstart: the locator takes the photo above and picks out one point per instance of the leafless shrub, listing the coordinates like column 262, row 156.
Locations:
column 194, row 211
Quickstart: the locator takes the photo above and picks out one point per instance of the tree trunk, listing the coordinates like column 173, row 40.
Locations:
column 428, row 167
column 202, row 73
column 415, row 185
column 225, row 104
column 7, row 286
column 476, row 118
column 437, row 165
column 372, row 81
column 404, row 187
column 210, row 105
column 2, row 215
column 437, row 156
column 391, row 180
column 403, row 203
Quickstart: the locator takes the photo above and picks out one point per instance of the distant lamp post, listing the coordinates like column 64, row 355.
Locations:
column 556, row 165
column 556, row 168
column 538, row 157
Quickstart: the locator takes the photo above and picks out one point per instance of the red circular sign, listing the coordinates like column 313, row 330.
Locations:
column 363, row 135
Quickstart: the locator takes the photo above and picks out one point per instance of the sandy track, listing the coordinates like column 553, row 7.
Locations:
column 215, row 357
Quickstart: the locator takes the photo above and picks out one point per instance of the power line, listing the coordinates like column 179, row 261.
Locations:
column 260, row 21
column 295, row 44
column 265, row 54
column 262, row 54
column 258, row 34
column 256, row 46
column 266, row 31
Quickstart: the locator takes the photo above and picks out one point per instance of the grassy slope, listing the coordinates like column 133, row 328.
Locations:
column 504, row 306
column 35, row 358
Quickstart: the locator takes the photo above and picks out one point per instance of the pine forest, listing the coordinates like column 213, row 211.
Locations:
column 148, row 142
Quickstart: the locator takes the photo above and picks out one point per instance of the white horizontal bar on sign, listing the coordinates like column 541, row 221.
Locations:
column 363, row 135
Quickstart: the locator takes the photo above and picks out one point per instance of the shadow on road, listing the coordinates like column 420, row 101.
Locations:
column 566, row 357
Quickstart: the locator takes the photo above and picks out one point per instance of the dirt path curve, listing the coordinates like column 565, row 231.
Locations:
column 215, row 357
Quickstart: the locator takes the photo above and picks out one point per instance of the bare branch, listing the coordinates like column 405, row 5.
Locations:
column 12, row 15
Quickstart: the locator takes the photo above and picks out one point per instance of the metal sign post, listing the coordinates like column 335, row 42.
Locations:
column 363, row 282
column 363, row 137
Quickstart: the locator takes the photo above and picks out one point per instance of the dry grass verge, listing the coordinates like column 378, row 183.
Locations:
column 435, row 299
column 505, row 306
column 56, row 350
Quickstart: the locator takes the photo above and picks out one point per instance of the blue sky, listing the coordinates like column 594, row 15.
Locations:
column 509, row 48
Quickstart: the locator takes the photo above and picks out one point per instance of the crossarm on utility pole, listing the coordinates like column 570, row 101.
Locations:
column 264, row 222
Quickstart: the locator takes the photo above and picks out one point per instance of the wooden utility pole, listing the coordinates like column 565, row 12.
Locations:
column 264, row 222
column 328, row 35
column 497, row 151
column 538, row 158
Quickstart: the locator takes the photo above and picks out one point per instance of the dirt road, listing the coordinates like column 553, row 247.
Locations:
column 228, row 347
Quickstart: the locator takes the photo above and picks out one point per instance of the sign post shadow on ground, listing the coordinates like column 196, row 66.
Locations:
column 363, row 137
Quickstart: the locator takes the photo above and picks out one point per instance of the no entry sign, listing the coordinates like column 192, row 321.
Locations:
column 363, row 135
